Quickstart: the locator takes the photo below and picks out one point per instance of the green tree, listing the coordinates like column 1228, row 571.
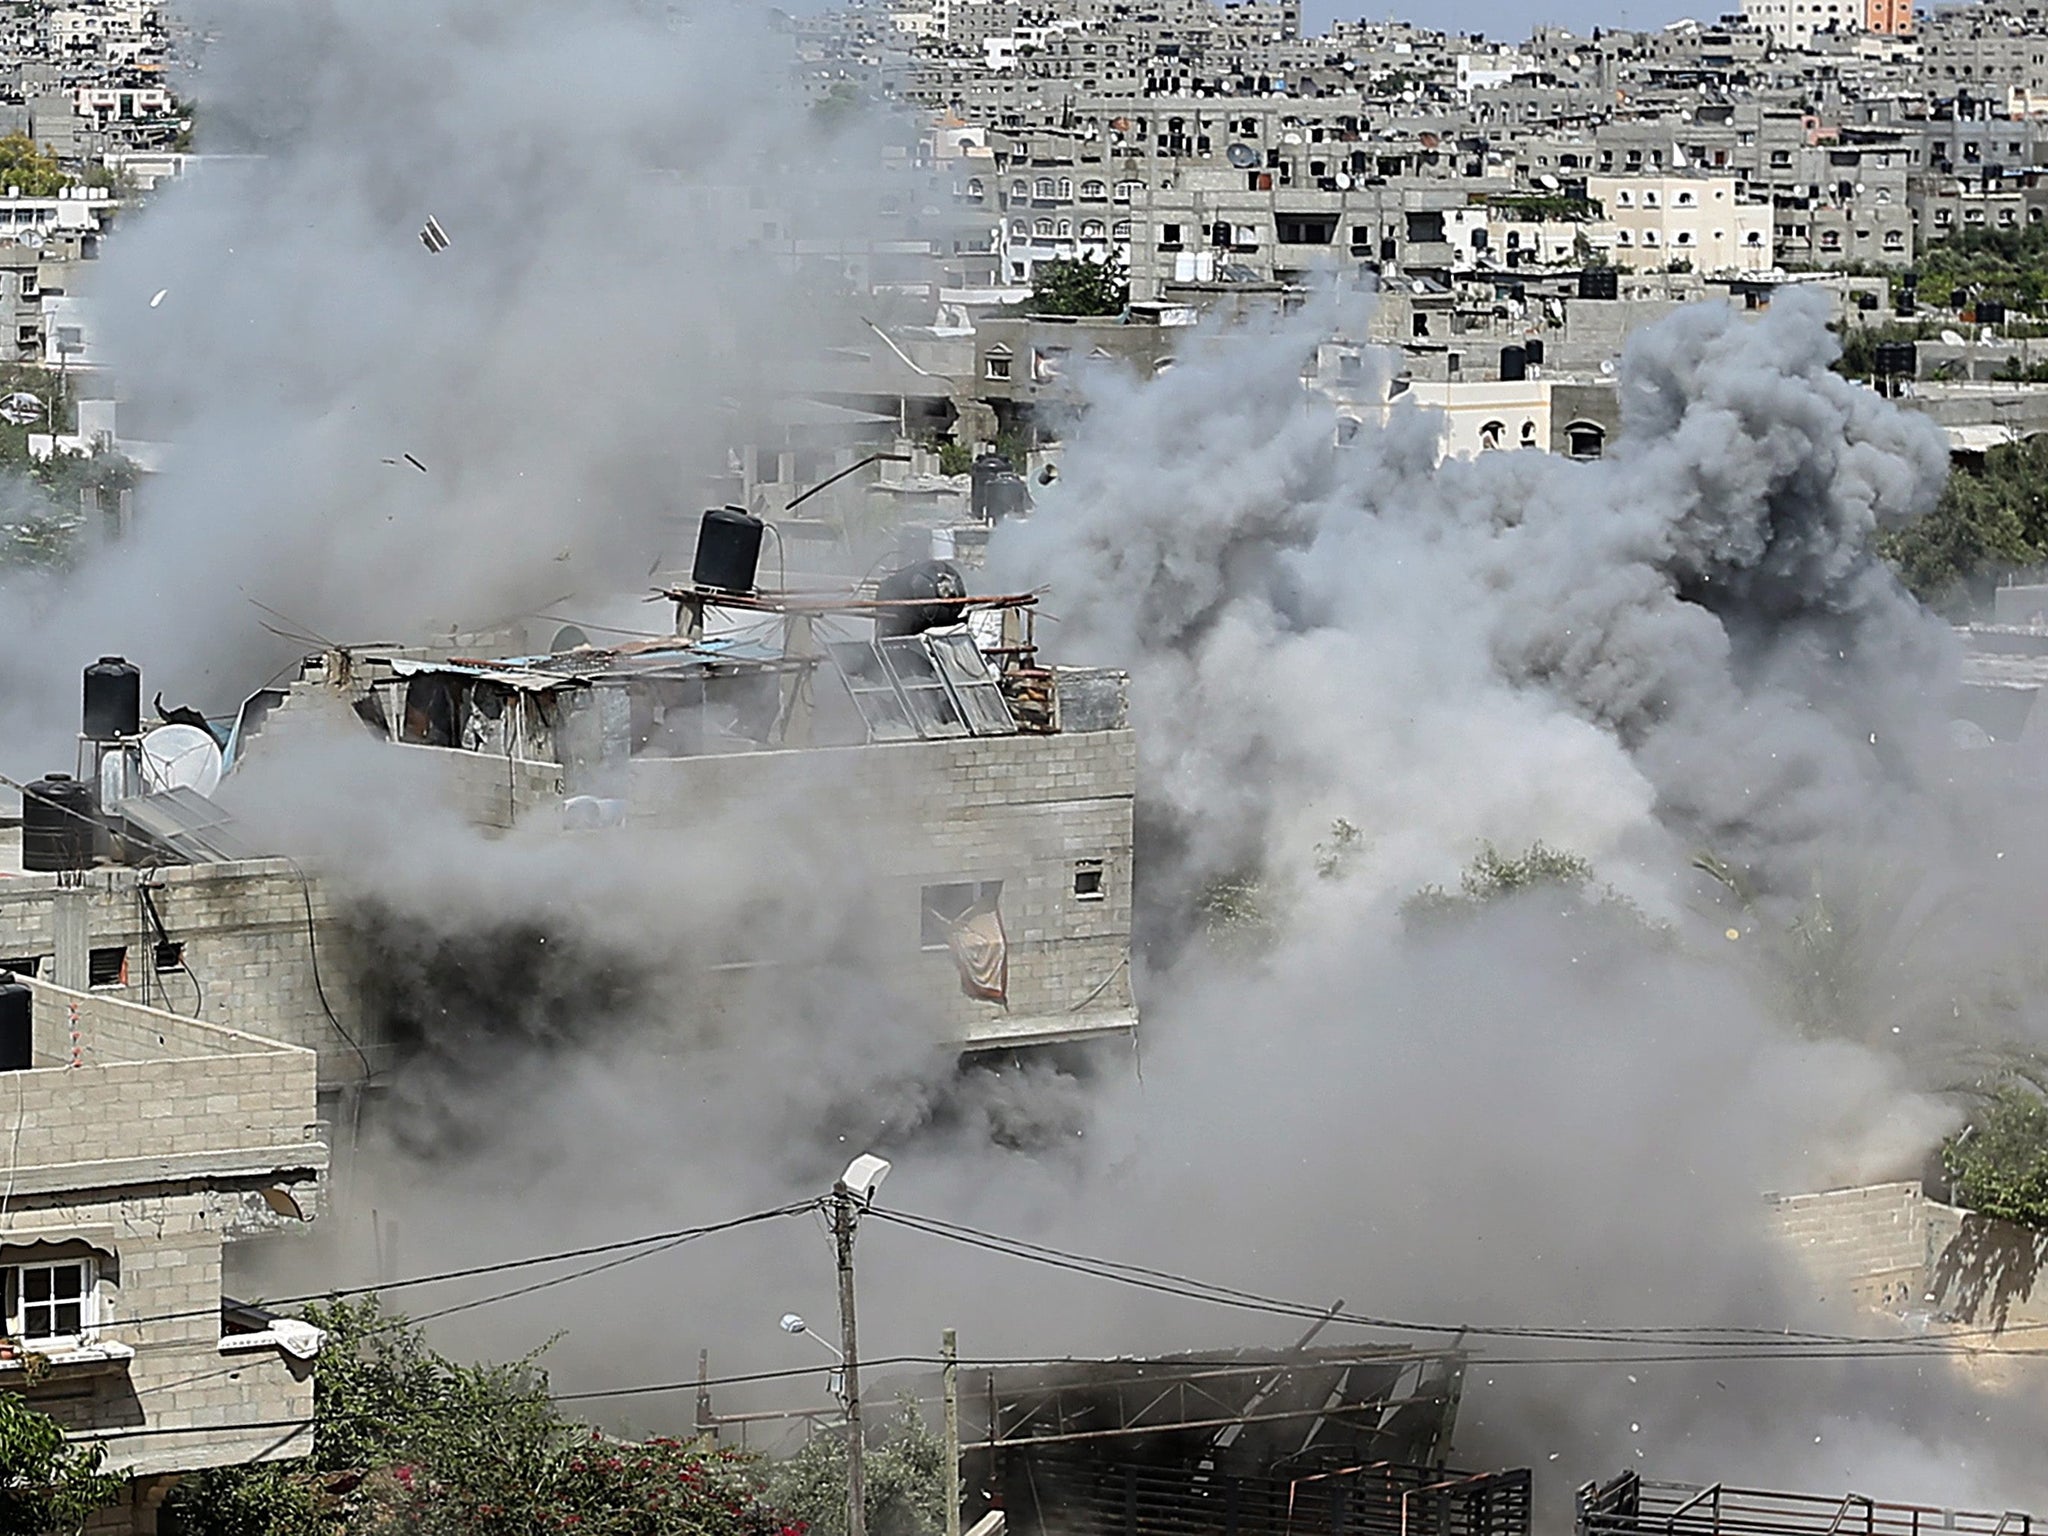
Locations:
column 36, row 171
column 1998, row 1163
column 1949, row 557
column 46, row 1483
column 406, row 1440
column 1493, row 876
column 1081, row 287
column 903, row 1477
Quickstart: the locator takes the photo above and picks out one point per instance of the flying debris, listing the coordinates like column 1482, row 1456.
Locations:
column 157, row 297
column 432, row 236
column 407, row 459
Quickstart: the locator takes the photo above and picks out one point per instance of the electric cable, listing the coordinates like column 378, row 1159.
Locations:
column 319, row 987
column 1169, row 1283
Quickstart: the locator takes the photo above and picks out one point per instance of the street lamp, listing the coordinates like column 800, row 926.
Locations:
column 836, row 1382
column 853, row 1194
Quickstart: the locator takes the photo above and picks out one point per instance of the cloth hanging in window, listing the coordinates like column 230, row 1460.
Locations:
column 982, row 952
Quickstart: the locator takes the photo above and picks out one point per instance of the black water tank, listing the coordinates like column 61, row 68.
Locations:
column 1908, row 304
column 1514, row 364
column 17, row 1025
column 57, row 823
column 113, row 699
column 1991, row 311
column 1009, row 495
column 937, row 584
column 1532, row 351
column 982, row 476
column 728, row 550
column 1600, row 283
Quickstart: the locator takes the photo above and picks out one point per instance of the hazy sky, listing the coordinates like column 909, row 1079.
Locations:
column 1512, row 19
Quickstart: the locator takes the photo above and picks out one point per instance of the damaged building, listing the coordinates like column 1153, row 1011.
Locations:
column 1338, row 1440
column 984, row 800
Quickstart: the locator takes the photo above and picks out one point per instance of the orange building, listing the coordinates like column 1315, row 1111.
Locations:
column 1893, row 18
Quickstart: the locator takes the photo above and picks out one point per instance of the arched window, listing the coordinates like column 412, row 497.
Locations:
column 1585, row 439
column 1044, row 187
column 1491, row 434
column 1094, row 191
column 1121, row 230
column 1066, row 186
column 1020, row 190
column 1044, row 227
column 1528, row 434
column 1066, row 229
column 974, row 186
column 1092, row 229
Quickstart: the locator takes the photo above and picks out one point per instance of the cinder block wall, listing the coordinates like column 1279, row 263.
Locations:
column 1020, row 809
column 159, row 1258
column 1869, row 1243
column 244, row 931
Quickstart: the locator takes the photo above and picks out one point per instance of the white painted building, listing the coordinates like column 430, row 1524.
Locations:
column 1652, row 222
column 1793, row 23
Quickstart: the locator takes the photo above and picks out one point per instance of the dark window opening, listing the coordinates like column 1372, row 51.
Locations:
column 28, row 965
column 1088, row 880
column 108, row 967
column 170, row 955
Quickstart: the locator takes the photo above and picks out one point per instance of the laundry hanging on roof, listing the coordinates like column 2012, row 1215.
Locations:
column 981, row 951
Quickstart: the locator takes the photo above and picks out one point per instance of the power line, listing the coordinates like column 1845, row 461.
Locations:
column 1187, row 1287
column 652, row 1243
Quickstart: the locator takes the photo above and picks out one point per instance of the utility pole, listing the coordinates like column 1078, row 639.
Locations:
column 949, row 1351
column 845, row 1213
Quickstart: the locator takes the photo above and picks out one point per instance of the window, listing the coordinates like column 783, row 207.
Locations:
column 1044, row 187
column 1169, row 237
column 944, row 906
column 1686, row 199
column 1091, row 229
column 108, row 967
column 50, row 1302
column 1088, row 880
column 1528, row 434
column 1585, row 439
column 1044, row 228
column 27, row 965
column 1094, row 191
column 170, row 956
column 994, row 367
column 1649, row 199
column 1066, row 187
column 1491, row 434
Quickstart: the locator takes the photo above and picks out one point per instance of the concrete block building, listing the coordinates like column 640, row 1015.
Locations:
column 143, row 1145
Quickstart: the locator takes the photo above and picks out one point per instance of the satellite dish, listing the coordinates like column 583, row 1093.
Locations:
column 1547, row 182
column 1607, row 367
column 31, row 238
column 568, row 638
column 1343, row 181
column 1291, row 136
column 180, row 757
column 1243, row 156
column 1951, row 339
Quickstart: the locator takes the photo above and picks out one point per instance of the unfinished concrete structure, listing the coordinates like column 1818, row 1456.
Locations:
column 143, row 1145
column 989, row 816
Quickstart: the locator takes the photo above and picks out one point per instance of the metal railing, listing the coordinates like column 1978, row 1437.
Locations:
column 1631, row 1506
